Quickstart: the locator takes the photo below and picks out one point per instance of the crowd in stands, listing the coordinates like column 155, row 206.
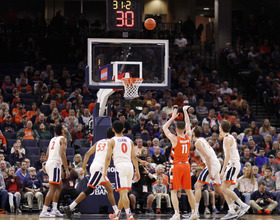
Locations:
column 41, row 95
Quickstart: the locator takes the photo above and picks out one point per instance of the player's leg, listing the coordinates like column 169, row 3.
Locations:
column 48, row 200
column 110, row 194
column 175, row 184
column 202, row 180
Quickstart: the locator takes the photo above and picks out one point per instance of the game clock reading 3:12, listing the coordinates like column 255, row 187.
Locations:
column 124, row 15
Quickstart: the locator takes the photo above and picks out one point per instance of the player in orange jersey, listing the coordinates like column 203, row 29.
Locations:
column 180, row 175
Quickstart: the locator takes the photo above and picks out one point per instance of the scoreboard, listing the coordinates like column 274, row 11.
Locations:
column 124, row 15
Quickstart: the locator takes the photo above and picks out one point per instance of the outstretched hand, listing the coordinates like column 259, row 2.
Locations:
column 185, row 108
column 175, row 113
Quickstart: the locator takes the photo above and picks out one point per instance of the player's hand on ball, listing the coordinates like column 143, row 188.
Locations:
column 185, row 108
column 175, row 113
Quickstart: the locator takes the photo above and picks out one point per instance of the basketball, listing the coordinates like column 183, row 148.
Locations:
column 150, row 24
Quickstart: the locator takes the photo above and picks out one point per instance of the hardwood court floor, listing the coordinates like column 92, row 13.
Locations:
column 142, row 217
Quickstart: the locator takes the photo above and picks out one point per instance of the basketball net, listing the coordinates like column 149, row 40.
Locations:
column 131, row 86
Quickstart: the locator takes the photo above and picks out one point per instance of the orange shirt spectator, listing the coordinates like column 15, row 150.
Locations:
column 179, row 100
column 20, row 114
column 30, row 114
column 229, row 118
column 3, row 140
column 91, row 106
column 54, row 92
column 23, row 87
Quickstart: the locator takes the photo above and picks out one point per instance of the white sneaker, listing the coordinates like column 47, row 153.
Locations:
column 194, row 216
column 18, row 211
column 207, row 211
column 243, row 210
column 230, row 215
column 46, row 215
column 176, row 217
column 56, row 213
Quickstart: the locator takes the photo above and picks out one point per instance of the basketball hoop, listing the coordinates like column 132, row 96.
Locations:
column 131, row 86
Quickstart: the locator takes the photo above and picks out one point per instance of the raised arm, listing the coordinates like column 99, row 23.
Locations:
column 165, row 127
column 87, row 155
column 187, row 121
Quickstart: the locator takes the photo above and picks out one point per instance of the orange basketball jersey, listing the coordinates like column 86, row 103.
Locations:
column 180, row 153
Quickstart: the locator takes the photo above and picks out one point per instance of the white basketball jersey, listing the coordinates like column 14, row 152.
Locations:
column 54, row 149
column 234, row 154
column 122, row 150
column 101, row 151
column 209, row 150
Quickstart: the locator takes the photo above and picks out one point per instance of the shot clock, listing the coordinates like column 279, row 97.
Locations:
column 124, row 15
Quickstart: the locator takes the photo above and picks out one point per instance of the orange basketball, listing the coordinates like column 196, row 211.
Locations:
column 150, row 24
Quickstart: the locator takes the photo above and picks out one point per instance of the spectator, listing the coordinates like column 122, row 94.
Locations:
column 160, row 172
column 69, row 184
column 164, row 142
column 40, row 121
column 23, row 87
column 275, row 167
column 3, row 168
column 20, row 115
column 179, row 100
column 247, row 184
column 3, row 148
column 229, row 117
column 72, row 115
column 265, row 129
column 132, row 119
column 3, row 195
column 126, row 124
column 22, row 172
column 224, row 89
column 43, row 133
column 39, row 163
column 14, row 187
column 79, row 134
column 43, row 176
column 7, row 85
column 168, row 109
column 21, row 149
column 155, row 144
column 158, row 158
column 77, row 160
column 273, row 134
column 249, row 117
column 194, row 165
column 144, row 113
column 277, row 160
column 211, row 119
column 139, row 147
column 55, row 114
column 261, row 200
column 268, row 143
column 17, row 156
column 33, row 187
column 268, row 180
column 181, row 41
column 28, row 133
column 143, row 189
column 256, row 172
column 84, row 119
column 246, row 157
column 262, row 159
column 162, row 119
column 206, row 131
column 201, row 109
column 65, row 112
column 255, row 129
column 160, row 192
column 8, row 125
column 140, row 128
column 149, row 100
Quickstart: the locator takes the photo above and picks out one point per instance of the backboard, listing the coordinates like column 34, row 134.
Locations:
column 109, row 60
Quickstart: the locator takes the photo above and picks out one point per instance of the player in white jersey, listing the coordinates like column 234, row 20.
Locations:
column 211, row 173
column 56, row 156
column 230, row 170
column 97, row 176
column 123, row 152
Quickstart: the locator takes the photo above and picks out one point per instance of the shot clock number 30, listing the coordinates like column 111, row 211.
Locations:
column 124, row 15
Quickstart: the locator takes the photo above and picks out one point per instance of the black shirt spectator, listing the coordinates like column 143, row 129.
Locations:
column 158, row 158
column 8, row 125
column 140, row 128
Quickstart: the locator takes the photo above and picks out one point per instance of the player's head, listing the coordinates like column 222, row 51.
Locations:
column 180, row 126
column 118, row 127
column 225, row 126
column 110, row 132
column 197, row 131
column 58, row 130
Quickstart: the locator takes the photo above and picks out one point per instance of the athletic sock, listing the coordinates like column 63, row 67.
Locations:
column 115, row 208
column 196, row 206
column 213, row 207
column 73, row 205
column 177, row 212
column 193, row 210
column 127, row 211
column 231, row 208
column 54, row 205
column 45, row 208
column 242, row 204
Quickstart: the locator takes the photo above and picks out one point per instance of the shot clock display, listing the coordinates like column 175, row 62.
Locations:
column 124, row 15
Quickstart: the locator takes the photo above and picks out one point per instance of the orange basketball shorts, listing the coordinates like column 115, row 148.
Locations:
column 180, row 176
